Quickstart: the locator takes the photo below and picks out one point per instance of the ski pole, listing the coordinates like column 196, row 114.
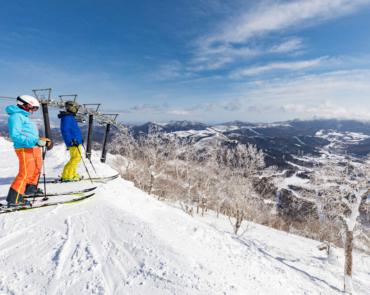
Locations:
column 90, row 161
column 43, row 149
column 87, row 170
column 44, row 172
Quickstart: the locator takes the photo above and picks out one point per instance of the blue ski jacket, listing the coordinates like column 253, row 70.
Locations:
column 70, row 130
column 22, row 131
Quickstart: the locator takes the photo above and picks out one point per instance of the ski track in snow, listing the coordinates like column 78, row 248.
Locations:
column 123, row 241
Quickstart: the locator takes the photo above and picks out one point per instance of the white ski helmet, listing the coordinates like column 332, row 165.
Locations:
column 28, row 102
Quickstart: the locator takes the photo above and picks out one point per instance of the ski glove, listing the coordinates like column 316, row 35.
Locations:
column 43, row 141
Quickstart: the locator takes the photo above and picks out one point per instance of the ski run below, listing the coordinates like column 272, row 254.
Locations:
column 123, row 241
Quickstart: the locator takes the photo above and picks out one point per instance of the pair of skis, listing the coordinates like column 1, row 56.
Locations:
column 78, row 197
column 74, row 196
column 72, row 192
column 93, row 179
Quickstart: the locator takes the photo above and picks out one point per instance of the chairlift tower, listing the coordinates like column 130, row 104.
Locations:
column 106, row 135
column 90, row 113
column 44, row 96
column 90, row 110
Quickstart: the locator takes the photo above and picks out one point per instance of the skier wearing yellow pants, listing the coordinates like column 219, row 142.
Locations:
column 73, row 139
column 70, row 169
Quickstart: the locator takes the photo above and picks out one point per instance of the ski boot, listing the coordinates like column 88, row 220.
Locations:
column 32, row 189
column 77, row 177
column 73, row 179
column 24, row 203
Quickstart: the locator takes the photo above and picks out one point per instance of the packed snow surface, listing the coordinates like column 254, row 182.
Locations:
column 123, row 241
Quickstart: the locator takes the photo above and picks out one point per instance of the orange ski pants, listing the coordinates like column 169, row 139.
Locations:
column 30, row 163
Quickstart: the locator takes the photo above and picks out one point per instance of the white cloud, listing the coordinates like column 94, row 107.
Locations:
column 327, row 110
column 179, row 112
column 310, row 110
column 147, row 108
column 219, row 48
column 289, row 45
column 156, row 109
column 337, row 94
column 334, row 94
column 275, row 16
column 216, row 58
column 345, row 85
column 169, row 71
column 279, row 66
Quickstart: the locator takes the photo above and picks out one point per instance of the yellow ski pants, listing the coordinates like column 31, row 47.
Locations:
column 70, row 169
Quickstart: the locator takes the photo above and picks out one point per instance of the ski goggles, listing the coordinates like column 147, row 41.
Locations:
column 30, row 108
column 34, row 109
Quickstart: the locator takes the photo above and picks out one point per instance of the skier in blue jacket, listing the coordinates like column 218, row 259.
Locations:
column 73, row 139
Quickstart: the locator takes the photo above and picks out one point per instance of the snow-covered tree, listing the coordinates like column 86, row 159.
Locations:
column 341, row 190
column 126, row 146
column 153, row 154
column 186, row 174
column 215, row 176
column 245, row 163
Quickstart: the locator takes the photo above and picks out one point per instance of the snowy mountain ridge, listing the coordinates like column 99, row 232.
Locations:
column 123, row 241
column 280, row 141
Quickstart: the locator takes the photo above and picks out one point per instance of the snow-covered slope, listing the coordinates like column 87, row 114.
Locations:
column 123, row 241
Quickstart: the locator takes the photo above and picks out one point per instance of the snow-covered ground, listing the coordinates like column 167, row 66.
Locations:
column 123, row 241
column 295, row 181
column 339, row 140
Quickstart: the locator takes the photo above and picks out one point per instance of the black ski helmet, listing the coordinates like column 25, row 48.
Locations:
column 71, row 106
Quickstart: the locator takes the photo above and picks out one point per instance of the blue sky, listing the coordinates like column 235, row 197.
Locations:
column 204, row 60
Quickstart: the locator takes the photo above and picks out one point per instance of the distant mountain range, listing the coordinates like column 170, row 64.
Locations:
column 282, row 142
